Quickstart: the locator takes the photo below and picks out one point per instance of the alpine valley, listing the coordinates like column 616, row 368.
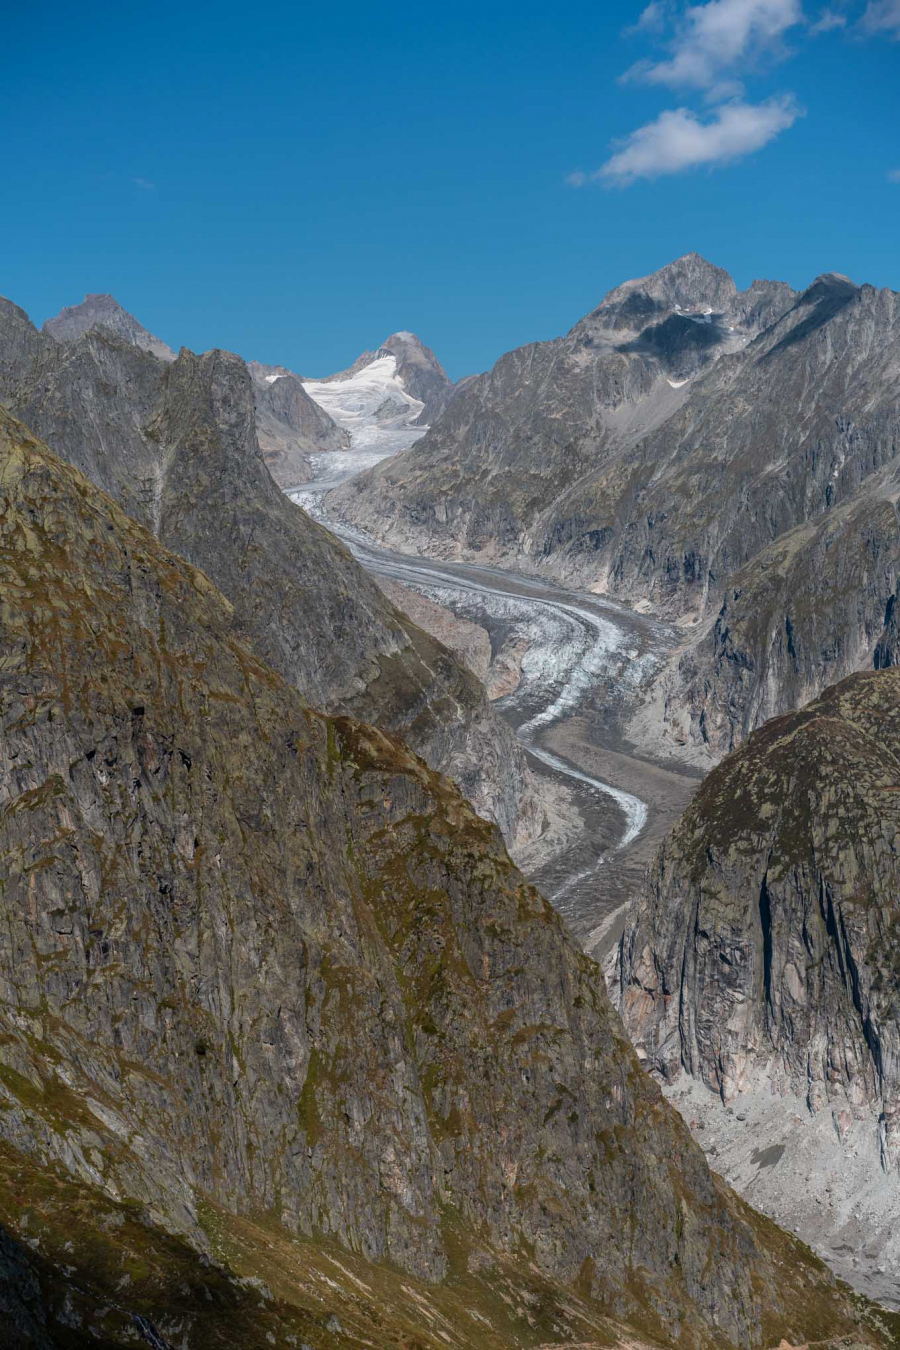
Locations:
column 449, row 835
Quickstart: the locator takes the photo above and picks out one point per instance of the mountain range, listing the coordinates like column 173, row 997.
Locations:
column 722, row 458
column 291, row 1053
column 273, row 992
column 175, row 443
column 728, row 460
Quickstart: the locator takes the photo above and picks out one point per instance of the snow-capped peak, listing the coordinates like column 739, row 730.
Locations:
column 372, row 404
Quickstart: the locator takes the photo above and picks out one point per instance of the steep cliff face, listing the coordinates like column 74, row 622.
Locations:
column 818, row 604
column 175, row 444
column 20, row 347
column 763, row 958
column 262, row 967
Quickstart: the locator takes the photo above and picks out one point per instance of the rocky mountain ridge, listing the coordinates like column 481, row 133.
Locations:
column 523, row 433
column 104, row 311
column 662, row 452
column 175, row 444
column 270, row 990
column 290, row 425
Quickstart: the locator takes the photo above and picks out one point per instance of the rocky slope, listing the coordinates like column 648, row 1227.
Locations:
column 663, row 451
column 289, row 425
column 104, row 311
column 763, row 962
column 470, row 642
column 274, row 1000
column 175, row 444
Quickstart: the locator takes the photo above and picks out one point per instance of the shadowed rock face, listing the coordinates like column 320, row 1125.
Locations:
column 263, row 967
column 175, row 444
column 763, row 957
column 818, row 604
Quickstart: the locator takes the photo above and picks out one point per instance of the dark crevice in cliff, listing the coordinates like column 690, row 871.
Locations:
column 765, row 921
column 884, row 652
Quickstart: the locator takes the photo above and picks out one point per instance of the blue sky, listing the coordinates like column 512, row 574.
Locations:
column 294, row 182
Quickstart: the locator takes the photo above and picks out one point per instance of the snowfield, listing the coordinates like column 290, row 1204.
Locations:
column 373, row 406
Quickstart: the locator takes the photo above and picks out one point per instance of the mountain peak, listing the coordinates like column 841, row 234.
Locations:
column 688, row 282
column 410, row 349
column 104, row 311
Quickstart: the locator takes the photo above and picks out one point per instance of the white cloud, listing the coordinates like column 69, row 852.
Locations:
column 882, row 16
column 651, row 20
column 893, row 176
column 712, row 38
column 145, row 184
column 827, row 21
column 576, row 179
column 679, row 139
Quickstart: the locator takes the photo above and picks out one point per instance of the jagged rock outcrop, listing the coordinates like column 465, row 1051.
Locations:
column 104, row 311
column 270, row 992
column 290, row 425
column 763, row 957
column 175, row 444
column 21, row 345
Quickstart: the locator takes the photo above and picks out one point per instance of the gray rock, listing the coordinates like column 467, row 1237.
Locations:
column 809, row 609
column 290, row 425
